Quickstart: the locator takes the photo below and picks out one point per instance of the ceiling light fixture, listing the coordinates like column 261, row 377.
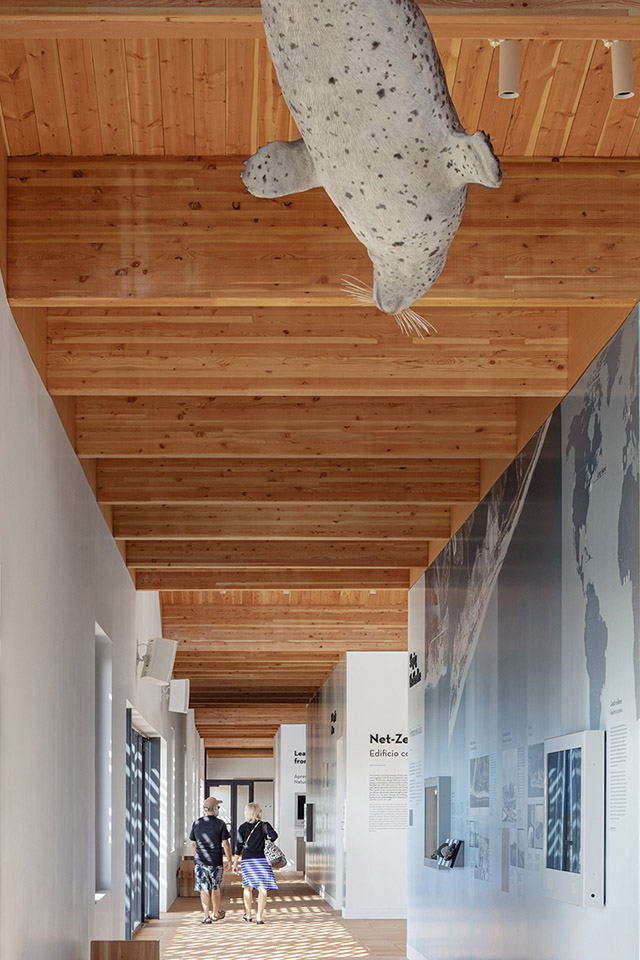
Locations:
column 621, row 68
column 509, row 68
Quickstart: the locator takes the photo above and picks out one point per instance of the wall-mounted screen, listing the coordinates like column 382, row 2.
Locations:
column 574, row 818
column 300, row 799
column 437, row 816
column 564, row 809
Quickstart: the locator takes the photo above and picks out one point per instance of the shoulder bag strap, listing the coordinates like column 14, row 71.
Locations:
column 250, row 835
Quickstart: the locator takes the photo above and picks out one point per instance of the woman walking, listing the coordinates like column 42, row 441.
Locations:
column 249, row 853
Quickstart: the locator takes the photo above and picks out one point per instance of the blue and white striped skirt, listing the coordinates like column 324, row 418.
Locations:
column 257, row 873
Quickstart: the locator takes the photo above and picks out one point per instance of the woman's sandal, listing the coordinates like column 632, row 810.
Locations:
column 245, row 917
column 259, row 921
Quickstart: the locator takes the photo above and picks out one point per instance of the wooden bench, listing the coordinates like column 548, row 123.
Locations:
column 125, row 950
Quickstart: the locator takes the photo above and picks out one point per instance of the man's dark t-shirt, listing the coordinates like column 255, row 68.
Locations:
column 208, row 833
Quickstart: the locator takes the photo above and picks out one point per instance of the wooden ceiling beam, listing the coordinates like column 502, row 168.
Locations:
column 242, row 743
column 458, row 19
column 321, row 427
column 203, row 695
column 189, row 554
column 274, row 640
column 207, row 481
column 242, row 615
column 274, row 522
column 264, row 713
column 213, row 731
column 246, row 751
column 326, row 351
column 554, row 234
column 272, row 579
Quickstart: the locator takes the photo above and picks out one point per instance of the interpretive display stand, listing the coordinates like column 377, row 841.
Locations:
column 574, row 818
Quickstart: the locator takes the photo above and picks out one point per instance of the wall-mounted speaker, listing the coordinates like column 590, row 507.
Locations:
column 179, row 696
column 157, row 663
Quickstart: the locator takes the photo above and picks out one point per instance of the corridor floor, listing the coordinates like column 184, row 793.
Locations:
column 299, row 926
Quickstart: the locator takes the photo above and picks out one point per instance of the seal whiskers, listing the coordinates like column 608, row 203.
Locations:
column 408, row 320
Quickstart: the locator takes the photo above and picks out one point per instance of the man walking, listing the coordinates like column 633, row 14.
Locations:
column 209, row 835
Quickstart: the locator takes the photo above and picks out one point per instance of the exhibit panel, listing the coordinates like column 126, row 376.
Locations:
column 290, row 786
column 375, row 809
column 356, row 812
column 523, row 631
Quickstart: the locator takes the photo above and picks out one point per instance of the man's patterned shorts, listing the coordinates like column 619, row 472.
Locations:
column 207, row 876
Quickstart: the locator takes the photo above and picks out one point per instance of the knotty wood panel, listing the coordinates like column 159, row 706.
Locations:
column 156, row 554
column 16, row 99
column 564, row 96
column 208, row 481
column 81, row 97
column 274, row 578
column 110, row 67
column 216, row 96
column 43, row 65
column 271, row 521
column 145, row 97
column 210, row 96
column 320, row 427
column 541, row 237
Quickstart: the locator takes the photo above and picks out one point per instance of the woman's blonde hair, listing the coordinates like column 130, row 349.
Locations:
column 253, row 812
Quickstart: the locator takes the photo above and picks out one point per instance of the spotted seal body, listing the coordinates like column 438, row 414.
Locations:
column 365, row 85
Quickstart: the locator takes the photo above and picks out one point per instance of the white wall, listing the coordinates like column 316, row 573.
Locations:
column 357, row 759
column 61, row 573
column 376, row 785
column 240, row 768
column 290, row 758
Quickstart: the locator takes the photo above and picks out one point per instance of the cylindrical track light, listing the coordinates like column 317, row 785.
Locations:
column 621, row 68
column 509, row 68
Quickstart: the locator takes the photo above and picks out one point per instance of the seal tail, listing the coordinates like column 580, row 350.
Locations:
column 408, row 320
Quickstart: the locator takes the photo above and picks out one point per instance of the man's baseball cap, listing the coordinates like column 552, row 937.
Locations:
column 211, row 802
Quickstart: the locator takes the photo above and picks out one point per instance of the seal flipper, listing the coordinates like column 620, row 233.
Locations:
column 474, row 160
column 280, row 168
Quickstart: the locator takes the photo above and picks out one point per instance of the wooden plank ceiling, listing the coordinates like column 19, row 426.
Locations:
column 278, row 461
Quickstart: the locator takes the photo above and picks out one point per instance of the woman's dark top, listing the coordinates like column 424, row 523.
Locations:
column 254, row 848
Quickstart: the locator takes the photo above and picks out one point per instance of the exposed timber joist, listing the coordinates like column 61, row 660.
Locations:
column 272, row 579
column 321, row 427
column 251, row 714
column 206, row 481
column 188, row 554
column 554, row 234
column 225, row 19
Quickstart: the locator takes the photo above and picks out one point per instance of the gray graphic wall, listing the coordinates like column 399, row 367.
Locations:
column 526, row 628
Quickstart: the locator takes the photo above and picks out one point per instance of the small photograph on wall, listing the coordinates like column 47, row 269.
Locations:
column 513, row 848
column 479, row 779
column 520, row 857
column 482, row 869
column 539, row 842
column 473, row 833
column 510, row 786
column 536, row 770
column 531, row 826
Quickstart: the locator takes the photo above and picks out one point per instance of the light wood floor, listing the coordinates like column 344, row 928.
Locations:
column 299, row 926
